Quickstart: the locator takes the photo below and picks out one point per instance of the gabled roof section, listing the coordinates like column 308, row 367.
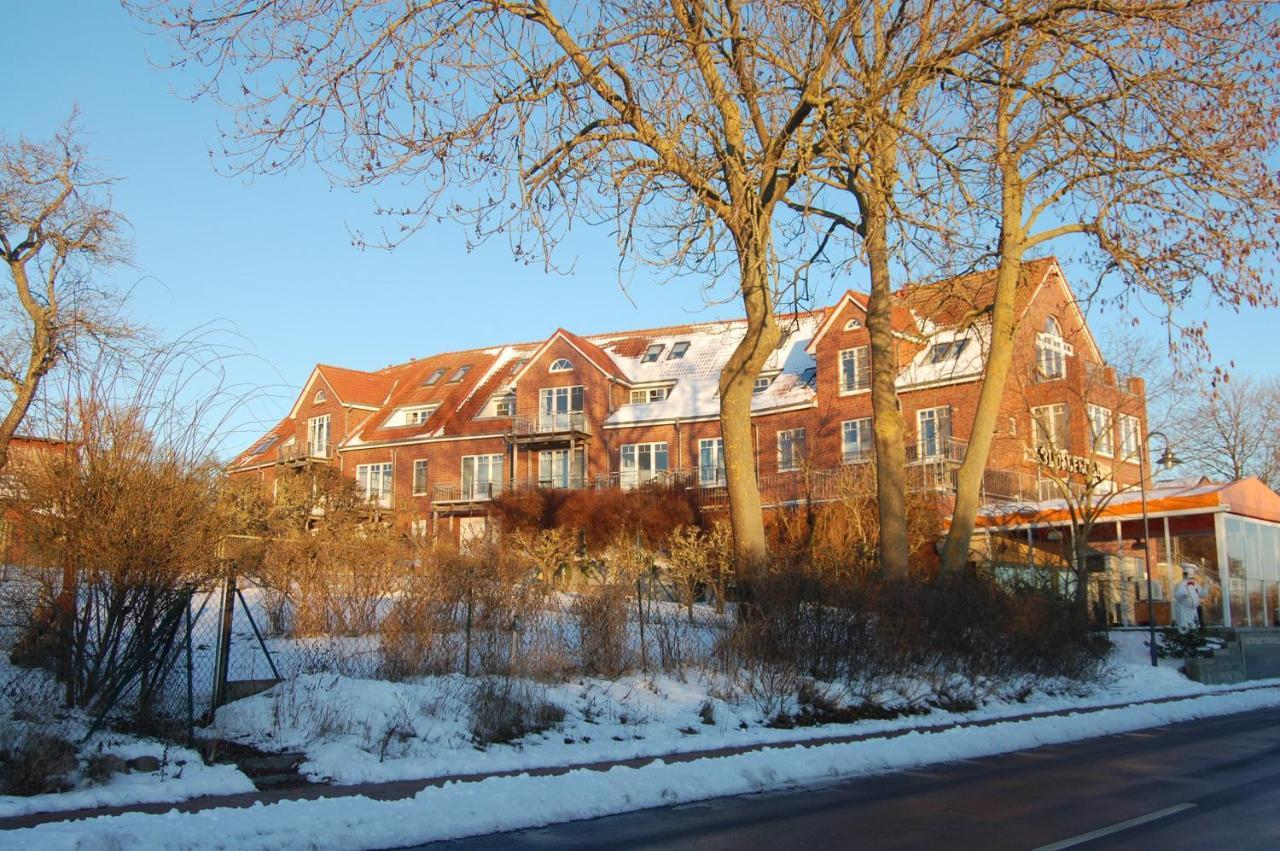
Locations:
column 450, row 397
column 966, row 299
column 357, row 388
column 850, row 298
column 589, row 350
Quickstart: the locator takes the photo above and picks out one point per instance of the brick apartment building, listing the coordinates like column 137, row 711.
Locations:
column 432, row 440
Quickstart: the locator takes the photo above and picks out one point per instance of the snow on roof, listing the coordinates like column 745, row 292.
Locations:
column 951, row 355
column 696, row 375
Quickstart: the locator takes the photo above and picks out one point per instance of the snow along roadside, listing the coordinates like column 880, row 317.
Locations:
column 497, row 804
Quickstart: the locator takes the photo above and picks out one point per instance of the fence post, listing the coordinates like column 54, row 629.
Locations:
column 224, row 637
column 191, row 696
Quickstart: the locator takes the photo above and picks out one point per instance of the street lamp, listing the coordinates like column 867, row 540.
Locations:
column 1167, row 461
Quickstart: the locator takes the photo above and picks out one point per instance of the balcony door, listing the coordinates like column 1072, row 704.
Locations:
column 559, row 408
column 318, row 436
column 935, row 432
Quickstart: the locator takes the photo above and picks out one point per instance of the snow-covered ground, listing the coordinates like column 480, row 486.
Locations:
column 509, row 803
column 357, row 731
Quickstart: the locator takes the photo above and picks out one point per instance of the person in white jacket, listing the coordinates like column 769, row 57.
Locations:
column 1186, row 599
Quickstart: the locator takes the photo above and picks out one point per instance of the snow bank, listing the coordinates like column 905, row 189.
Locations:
column 511, row 803
column 182, row 776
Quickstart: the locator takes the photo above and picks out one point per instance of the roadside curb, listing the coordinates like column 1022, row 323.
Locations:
column 402, row 789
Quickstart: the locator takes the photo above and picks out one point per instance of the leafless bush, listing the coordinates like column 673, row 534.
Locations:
column 504, row 710
column 33, row 762
column 600, row 614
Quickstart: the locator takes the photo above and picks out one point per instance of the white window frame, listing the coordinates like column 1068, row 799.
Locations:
column 940, row 437
column 678, row 350
column 421, row 468
column 762, row 383
column 1130, row 437
column 632, row 461
column 414, row 416
column 1052, row 352
column 792, row 447
column 711, row 471
column 317, row 426
column 320, row 396
column 853, row 324
column 435, row 376
column 652, row 353
column 950, row 350
column 860, row 358
column 1102, row 421
column 561, row 365
column 555, row 416
column 472, row 486
column 648, row 395
column 376, row 482
column 865, row 437
column 557, row 468
column 1044, row 426
column 460, row 374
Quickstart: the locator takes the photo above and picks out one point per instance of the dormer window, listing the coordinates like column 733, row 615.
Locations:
column 648, row 394
column 763, row 382
column 415, row 416
column 853, row 325
column 951, row 349
column 319, row 397
column 561, row 365
column 460, row 374
column 1052, row 352
column 678, row 350
column 652, row 353
column 435, row 376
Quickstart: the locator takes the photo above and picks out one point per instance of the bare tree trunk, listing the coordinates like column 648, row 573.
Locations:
column 999, row 358
column 891, row 458
column 39, row 362
column 737, row 381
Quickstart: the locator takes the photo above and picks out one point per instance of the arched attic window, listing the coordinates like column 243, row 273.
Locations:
column 319, row 397
column 561, row 365
column 1052, row 352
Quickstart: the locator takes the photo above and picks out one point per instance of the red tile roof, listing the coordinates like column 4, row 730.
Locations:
column 354, row 387
column 960, row 300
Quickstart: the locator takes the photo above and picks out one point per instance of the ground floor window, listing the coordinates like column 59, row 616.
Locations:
column 856, row 437
column 374, row 482
column 561, row 468
column 791, row 444
column 711, row 461
column 481, row 476
column 420, row 477
column 642, row 462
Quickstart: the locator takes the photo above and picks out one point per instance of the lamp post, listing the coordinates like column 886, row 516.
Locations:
column 1167, row 461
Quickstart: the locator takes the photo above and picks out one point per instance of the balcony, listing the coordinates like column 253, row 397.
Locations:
column 464, row 493
column 550, row 428
column 304, row 452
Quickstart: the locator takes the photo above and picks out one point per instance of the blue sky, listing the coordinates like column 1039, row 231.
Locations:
column 272, row 258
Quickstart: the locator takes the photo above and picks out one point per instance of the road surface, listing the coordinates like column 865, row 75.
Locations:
column 1212, row 784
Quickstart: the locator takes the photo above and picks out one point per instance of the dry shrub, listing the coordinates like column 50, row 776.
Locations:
column 37, row 763
column 417, row 632
column 600, row 614
column 601, row 515
column 953, row 635
column 504, row 710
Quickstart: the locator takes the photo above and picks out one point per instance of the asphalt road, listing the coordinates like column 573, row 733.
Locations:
column 1212, row 784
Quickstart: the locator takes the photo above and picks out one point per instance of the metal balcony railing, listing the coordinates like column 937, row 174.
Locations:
column 305, row 450
column 465, row 491
column 571, row 422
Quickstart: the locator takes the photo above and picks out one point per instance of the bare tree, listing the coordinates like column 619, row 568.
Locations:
column 1144, row 134
column 1230, row 431
column 694, row 128
column 58, row 234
